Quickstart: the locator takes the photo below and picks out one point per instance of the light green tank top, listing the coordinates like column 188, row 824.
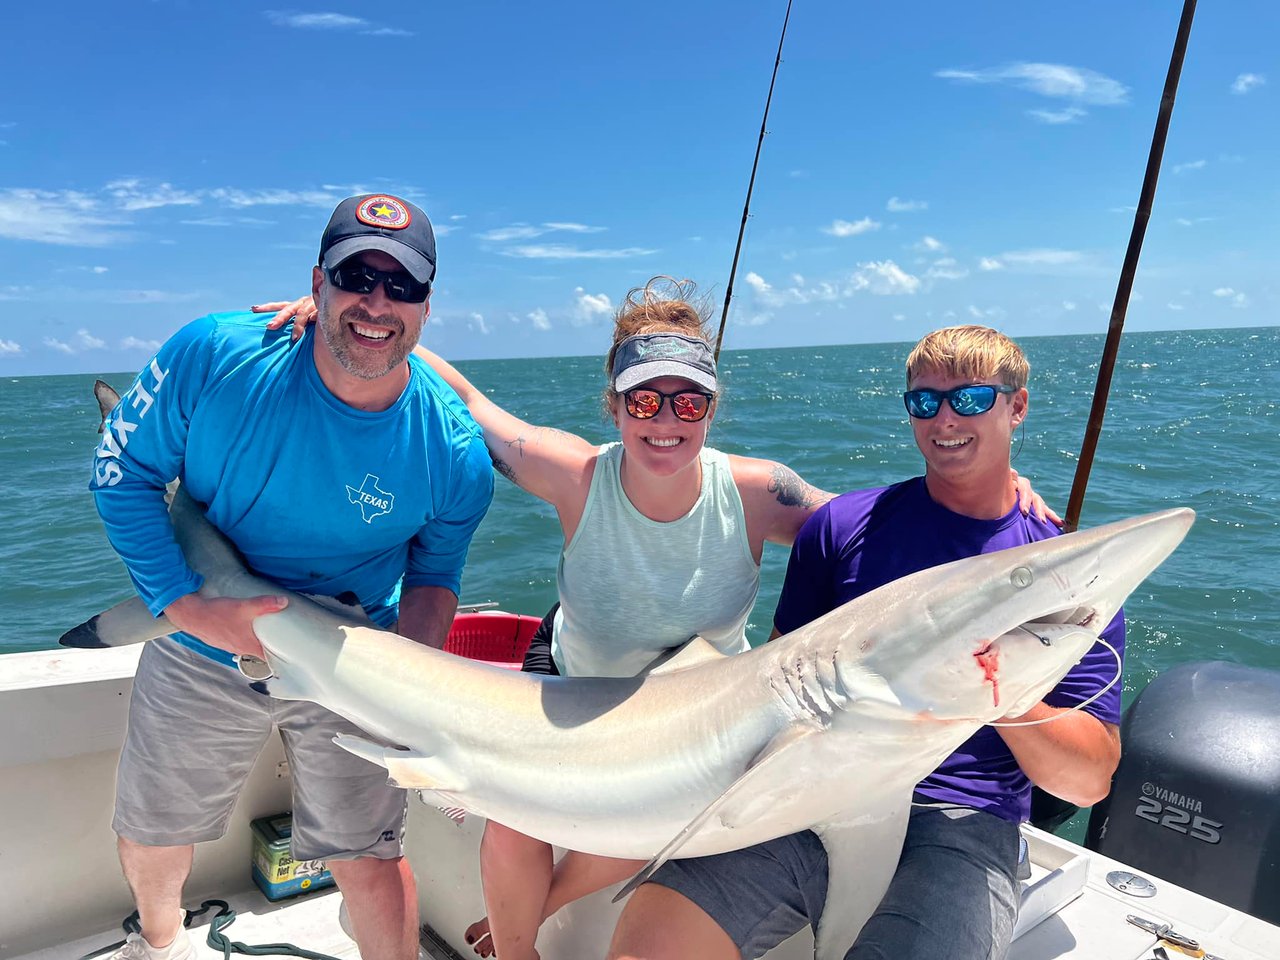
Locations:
column 632, row 588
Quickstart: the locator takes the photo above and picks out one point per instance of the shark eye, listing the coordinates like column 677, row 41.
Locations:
column 1021, row 577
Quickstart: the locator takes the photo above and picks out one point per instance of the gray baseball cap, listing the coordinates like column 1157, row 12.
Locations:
column 647, row 356
column 379, row 221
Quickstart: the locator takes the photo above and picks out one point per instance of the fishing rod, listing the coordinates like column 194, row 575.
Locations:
column 746, row 206
column 1121, row 304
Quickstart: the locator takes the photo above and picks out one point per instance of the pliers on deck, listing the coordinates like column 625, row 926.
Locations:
column 1165, row 933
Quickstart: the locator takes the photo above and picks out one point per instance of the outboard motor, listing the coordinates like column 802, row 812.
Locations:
column 1196, row 798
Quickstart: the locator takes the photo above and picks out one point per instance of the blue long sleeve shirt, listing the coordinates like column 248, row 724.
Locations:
column 319, row 497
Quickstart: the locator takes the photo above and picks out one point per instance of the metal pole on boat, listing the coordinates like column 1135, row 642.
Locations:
column 1125, row 287
column 746, row 206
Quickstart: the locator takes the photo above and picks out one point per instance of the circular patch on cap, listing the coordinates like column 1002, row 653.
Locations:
column 383, row 211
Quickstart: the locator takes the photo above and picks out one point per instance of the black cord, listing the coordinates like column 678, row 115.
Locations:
column 216, row 938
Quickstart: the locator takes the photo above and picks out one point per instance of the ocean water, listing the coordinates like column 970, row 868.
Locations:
column 1194, row 420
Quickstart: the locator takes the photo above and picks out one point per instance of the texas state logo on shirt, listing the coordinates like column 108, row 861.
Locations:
column 372, row 500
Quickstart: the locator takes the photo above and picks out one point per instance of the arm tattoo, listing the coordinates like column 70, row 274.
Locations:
column 504, row 468
column 553, row 433
column 791, row 491
column 518, row 443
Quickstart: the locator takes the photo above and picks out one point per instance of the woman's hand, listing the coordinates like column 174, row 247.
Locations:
column 1029, row 501
column 300, row 312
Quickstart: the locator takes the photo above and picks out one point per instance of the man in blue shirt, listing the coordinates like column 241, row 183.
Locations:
column 339, row 466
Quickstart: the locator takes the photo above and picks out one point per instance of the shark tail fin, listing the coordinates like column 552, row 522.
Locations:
column 127, row 622
column 107, row 399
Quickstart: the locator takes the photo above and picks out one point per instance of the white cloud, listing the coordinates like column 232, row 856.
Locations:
column 134, row 343
column 1065, row 115
column 58, row 345
column 845, row 228
column 1068, row 305
column 132, row 194
column 525, row 231
column 457, row 216
column 905, row 206
column 1176, row 306
column 539, row 319
column 589, row 307
column 65, row 217
column 882, row 278
column 562, row 251
column 1076, row 84
column 145, row 296
column 1238, row 300
column 1042, row 257
column 275, row 198
column 931, row 244
column 476, row 322
column 990, row 263
column 1246, row 82
column 87, row 341
column 946, row 268
column 1193, row 165
column 332, row 21
column 99, row 269
column 574, row 227
column 521, row 231
column 9, row 348
column 885, row 278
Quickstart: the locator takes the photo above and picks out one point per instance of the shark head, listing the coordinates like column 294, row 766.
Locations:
column 989, row 636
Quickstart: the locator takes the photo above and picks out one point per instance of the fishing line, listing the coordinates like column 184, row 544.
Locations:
column 1080, row 706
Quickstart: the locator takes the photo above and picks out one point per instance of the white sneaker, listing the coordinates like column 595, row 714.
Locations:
column 136, row 947
column 344, row 919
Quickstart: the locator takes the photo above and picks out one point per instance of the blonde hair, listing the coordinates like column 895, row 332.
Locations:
column 663, row 305
column 972, row 352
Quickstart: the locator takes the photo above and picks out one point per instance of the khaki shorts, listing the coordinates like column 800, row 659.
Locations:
column 195, row 730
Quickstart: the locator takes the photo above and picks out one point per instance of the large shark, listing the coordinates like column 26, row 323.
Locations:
column 829, row 727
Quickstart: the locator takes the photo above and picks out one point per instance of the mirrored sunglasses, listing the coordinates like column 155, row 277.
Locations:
column 688, row 405
column 352, row 276
column 967, row 401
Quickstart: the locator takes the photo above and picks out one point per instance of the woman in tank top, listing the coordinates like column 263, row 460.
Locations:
column 662, row 542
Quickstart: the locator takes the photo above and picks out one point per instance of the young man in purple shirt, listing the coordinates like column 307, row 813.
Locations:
column 955, row 892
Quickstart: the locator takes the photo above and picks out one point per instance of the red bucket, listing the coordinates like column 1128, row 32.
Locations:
column 495, row 637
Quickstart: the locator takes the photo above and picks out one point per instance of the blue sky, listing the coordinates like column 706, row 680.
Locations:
column 927, row 163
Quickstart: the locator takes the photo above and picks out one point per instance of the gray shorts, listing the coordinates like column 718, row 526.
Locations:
column 195, row 730
column 954, row 894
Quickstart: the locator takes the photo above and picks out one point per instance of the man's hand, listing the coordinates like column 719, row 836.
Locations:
column 300, row 312
column 224, row 622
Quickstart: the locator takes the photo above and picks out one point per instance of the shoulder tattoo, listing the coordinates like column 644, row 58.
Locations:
column 791, row 491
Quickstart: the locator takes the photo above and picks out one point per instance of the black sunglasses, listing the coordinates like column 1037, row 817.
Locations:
column 968, row 400
column 688, row 405
column 352, row 276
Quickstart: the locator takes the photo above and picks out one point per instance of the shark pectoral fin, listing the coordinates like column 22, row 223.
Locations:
column 127, row 622
column 862, row 857
column 756, row 780
column 696, row 651
column 409, row 769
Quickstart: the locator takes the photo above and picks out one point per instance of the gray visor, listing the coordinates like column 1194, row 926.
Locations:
column 648, row 356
